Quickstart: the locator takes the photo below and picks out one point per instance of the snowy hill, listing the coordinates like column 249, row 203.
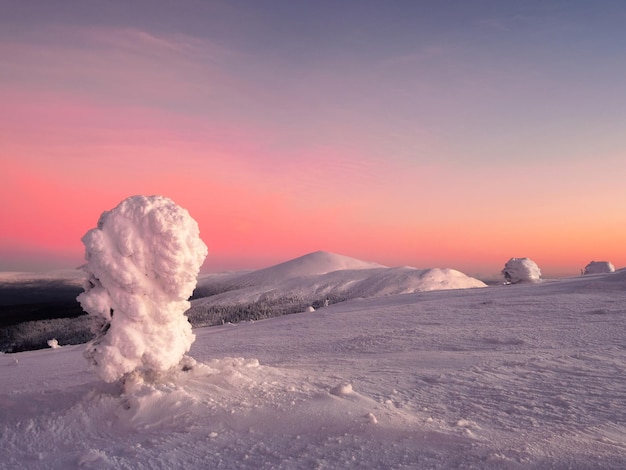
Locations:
column 312, row 264
column 313, row 280
column 507, row 377
column 316, row 263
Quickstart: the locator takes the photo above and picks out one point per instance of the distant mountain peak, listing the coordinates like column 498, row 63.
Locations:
column 315, row 263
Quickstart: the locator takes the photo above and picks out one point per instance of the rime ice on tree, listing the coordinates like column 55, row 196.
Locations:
column 599, row 267
column 143, row 259
column 521, row 270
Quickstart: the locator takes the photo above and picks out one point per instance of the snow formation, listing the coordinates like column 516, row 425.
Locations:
column 143, row 259
column 521, row 270
column 599, row 267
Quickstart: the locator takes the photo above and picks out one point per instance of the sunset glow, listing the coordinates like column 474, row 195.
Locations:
column 411, row 133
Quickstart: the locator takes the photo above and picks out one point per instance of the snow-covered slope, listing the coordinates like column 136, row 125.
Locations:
column 322, row 267
column 313, row 264
column 314, row 280
column 508, row 377
column 406, row 280
column 316, row 263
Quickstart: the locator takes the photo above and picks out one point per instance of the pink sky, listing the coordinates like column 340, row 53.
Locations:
column 441, row 154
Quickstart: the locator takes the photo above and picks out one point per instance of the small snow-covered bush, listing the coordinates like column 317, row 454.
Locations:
column 599, row 267
column 143, row 260
column 521, row 270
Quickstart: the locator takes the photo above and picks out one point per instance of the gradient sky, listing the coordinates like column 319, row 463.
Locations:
column 426, row 133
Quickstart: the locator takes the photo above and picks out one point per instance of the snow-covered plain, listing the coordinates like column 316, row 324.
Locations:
column 519, row 376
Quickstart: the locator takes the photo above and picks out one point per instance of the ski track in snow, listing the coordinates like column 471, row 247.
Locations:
column 524, row 376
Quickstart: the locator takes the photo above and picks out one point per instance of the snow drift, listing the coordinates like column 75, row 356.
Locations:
column 521, row 270
column 143, row 259
column 599, row 267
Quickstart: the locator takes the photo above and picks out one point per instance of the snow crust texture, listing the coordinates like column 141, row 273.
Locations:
column 521, row 270
column 143, row 259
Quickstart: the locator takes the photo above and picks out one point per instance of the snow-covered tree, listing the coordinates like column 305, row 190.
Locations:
column 599, row 267
column 143, row 259
column 521, row 270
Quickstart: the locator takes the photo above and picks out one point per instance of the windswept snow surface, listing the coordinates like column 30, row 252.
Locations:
column 506, row 377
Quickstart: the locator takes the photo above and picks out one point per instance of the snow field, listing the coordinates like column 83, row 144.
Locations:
column 519, row 376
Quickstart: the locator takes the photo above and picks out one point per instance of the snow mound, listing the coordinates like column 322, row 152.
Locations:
column 599, row 267
column 143, row 259
column 521, row 270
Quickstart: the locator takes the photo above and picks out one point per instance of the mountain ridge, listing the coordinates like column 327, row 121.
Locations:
column 309, row 282
column 310, row 264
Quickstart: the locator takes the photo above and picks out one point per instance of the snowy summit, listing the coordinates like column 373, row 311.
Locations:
column 316, row 263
